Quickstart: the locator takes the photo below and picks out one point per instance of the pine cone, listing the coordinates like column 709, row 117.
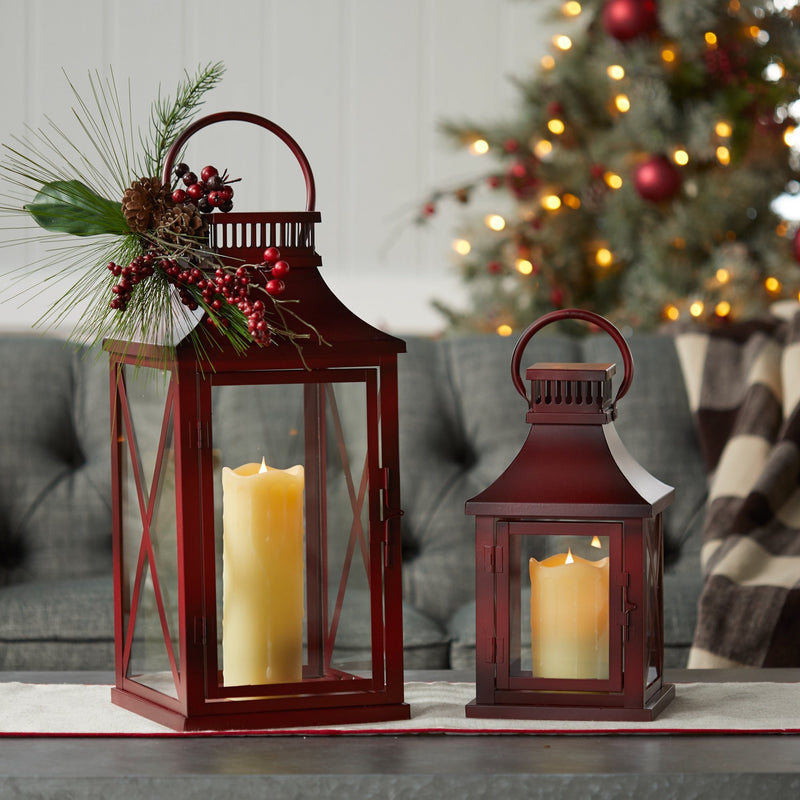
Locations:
column 143, row 201
column 181, row 221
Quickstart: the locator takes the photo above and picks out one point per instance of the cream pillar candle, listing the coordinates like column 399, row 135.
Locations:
column 569, row 617
column 262, row 574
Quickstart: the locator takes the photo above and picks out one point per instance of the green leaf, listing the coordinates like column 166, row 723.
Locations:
column 72, row 207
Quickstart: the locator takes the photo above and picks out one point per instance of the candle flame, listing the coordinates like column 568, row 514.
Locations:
column 263, row 467
column 596, row 542
column 569, row 559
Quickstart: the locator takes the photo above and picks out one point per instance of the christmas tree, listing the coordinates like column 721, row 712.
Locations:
column 638, row 176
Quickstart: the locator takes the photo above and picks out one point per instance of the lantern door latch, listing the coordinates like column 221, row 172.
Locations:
column 626, row 607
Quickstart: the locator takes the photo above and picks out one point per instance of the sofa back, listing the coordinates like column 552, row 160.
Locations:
column 461, row 423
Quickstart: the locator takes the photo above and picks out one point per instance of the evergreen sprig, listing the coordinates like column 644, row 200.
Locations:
column 168, row 117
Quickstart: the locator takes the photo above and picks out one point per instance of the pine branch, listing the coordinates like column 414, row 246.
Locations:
column 169, row 117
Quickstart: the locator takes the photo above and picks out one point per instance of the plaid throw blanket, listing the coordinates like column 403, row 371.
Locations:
column 744, row 389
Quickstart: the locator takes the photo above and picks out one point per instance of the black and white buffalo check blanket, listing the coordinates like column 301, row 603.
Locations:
column 743, row 383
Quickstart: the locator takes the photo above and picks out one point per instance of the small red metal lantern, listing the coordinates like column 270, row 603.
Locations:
column 569, row 557
column 246, row 600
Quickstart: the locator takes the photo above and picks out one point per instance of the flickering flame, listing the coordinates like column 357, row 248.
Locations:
column 263, row 467
column 569, row 559
column 596, row 542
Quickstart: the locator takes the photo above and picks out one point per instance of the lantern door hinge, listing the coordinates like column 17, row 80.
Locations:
column 494, row 650
column 200, row 630
column 493, row 558
column 203, row 434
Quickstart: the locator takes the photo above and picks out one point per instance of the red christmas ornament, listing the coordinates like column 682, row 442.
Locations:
column 628, row 19
column 657, row 179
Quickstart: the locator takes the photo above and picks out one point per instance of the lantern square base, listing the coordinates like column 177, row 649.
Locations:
column 259, row 720
column 657, row 703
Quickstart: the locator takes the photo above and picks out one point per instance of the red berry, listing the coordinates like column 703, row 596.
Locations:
column 208, row 172
column 195, row 191
column 189, row 178
column 179, row 196
column 280, row 269
column 226, row 193
column 215, row 199
column 275, row 287
column 271, row 255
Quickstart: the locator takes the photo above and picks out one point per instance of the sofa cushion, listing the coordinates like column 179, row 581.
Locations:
column 55, row 498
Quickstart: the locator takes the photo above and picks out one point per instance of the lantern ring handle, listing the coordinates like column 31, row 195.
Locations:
column 586, row 316
column 255, row 119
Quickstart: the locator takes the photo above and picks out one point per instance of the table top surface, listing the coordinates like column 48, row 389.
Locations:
column 420, row 765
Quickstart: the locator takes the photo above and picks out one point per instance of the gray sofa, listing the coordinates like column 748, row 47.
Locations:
column 461, row 422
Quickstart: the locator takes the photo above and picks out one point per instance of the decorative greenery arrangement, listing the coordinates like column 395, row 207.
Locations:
column 158, row 231
column 637, row 174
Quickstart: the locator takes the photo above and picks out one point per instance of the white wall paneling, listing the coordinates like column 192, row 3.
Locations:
column 361, row 84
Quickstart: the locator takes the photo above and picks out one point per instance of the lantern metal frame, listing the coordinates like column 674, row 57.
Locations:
column 344, row 349
column 572, row 477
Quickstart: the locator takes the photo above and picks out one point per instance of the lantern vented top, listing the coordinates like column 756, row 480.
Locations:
column 564, row 393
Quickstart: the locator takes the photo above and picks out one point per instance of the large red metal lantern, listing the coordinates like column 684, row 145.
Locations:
column 247, row 599
column 569, row 557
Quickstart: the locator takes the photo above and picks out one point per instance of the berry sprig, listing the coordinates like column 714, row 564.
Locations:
column 208, row 192
column 213, row 293
column 140, row 268
column 237, row 289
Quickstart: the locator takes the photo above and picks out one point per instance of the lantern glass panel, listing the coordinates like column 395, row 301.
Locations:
column 314, row 613
column 149, row 528
column 559, row 600
column 654, row 597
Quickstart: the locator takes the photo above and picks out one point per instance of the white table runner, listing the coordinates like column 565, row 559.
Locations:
column 438, row 707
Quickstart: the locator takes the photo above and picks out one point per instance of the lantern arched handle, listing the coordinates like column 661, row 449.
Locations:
column 572, row 313
column 254, row 119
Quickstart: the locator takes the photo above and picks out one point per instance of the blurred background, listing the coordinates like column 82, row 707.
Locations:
column 361, row 85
